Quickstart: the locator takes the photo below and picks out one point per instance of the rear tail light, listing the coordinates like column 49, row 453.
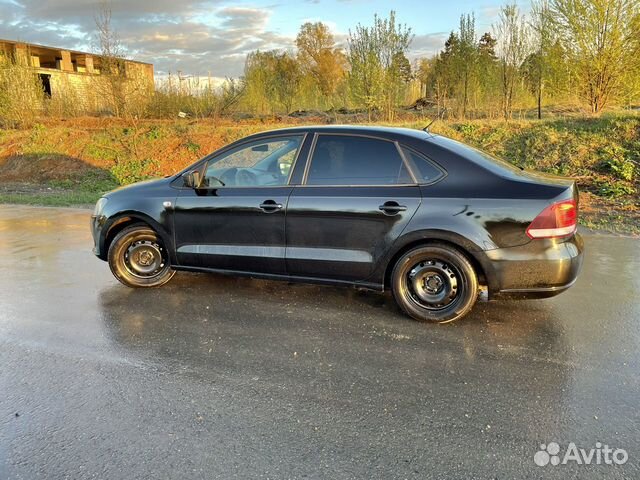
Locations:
column 557, row 220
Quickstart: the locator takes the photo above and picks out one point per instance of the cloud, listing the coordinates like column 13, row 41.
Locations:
column 193, row 36
column 239, row 18
column 427, row 45
column 83, row 11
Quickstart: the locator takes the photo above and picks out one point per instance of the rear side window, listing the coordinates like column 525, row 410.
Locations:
column 351, row 160
column 424, row 169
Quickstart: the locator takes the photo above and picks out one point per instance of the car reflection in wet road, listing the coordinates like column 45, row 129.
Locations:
column 216, row 377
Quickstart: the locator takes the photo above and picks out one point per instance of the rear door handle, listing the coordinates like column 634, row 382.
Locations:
column 392, row 208
column 270, row 206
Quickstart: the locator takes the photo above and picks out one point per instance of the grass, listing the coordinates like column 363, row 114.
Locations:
column 77, row 191
column 612, row 224
column 67, row 198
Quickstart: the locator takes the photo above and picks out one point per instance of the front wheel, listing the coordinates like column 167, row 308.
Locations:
column 138, row 258
column 435, row 283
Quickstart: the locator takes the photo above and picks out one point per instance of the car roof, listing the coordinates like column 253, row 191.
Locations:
column 355, row 129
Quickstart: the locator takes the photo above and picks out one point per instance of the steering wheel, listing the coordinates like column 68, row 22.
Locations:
column 246, row 177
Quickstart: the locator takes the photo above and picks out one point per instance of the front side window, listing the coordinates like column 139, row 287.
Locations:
column 265, row 162
column 351, row 160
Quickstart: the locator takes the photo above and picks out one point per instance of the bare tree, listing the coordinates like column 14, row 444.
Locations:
column 542, row 30
column 513, row 46
column 112, row 64
column 466, row 55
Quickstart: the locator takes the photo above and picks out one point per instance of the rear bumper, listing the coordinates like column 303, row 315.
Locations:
column 539, row 269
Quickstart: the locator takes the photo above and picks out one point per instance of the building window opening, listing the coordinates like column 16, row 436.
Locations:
column 46, row 84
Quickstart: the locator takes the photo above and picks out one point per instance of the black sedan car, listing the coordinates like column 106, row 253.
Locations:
column 426, row 216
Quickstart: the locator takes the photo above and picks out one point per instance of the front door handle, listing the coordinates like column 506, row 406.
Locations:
column 270, row 206
column 392, row 208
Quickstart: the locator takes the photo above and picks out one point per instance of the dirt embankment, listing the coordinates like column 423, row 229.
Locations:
column 33, row 168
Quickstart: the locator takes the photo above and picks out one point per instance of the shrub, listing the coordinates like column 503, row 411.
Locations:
column 192, row 146
column 617, row 162
column 467, row 129
column 614, row 189
column 154, row 133
column 21, row 93
column 131, row 171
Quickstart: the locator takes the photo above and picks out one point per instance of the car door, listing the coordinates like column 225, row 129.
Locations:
column 356, row 197
column 235, row 218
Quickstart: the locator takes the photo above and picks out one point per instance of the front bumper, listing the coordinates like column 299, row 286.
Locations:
column 539, row 269
column 96, row 224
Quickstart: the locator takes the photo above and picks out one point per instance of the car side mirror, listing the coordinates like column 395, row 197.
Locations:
column 191, row 179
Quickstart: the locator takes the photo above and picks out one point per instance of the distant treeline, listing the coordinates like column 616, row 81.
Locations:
column 564, row 55
column 571, row 53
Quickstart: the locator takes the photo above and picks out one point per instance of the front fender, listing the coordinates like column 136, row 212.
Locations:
column 153, row 213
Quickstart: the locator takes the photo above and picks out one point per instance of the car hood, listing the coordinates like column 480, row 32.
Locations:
column 141, row 187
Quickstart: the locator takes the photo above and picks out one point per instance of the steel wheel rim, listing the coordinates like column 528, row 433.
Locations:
column 434, row 284
column 145, row 258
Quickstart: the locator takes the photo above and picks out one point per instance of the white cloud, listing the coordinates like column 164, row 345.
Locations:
column 427, row 45
column 194, row 36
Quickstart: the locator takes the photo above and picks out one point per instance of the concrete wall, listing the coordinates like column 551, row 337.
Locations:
column 77, row 84
column 94, row 94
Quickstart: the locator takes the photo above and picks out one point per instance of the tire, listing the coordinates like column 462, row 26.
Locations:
column 138, row 258
column 434, row 283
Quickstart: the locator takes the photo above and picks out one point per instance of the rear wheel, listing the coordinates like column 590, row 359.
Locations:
column 138, row 258
column 435, row 283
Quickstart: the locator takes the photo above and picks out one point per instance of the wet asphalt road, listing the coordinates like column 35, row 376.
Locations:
column 214, row 377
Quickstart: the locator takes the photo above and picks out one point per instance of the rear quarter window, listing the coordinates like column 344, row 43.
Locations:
column 426, row 171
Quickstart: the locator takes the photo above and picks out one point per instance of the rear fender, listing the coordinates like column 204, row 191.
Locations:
column 420, row 237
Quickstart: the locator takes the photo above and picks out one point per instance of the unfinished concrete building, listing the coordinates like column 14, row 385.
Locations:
column 76, row 74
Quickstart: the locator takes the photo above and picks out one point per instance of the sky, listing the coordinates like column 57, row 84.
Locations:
column 212, row 37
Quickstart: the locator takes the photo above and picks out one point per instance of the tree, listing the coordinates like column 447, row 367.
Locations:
column 320, row 58
column 375, row 57
column 537, row 63
column 271, row 78
column 513, row 46
column 466, row 57
column 465, row 70
column 602, row 40
column 286, row 80
column 487, row 71
column 112, row 65
column 423, row 71
column 443, row 77
column 487, row 47
column 401, row 67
